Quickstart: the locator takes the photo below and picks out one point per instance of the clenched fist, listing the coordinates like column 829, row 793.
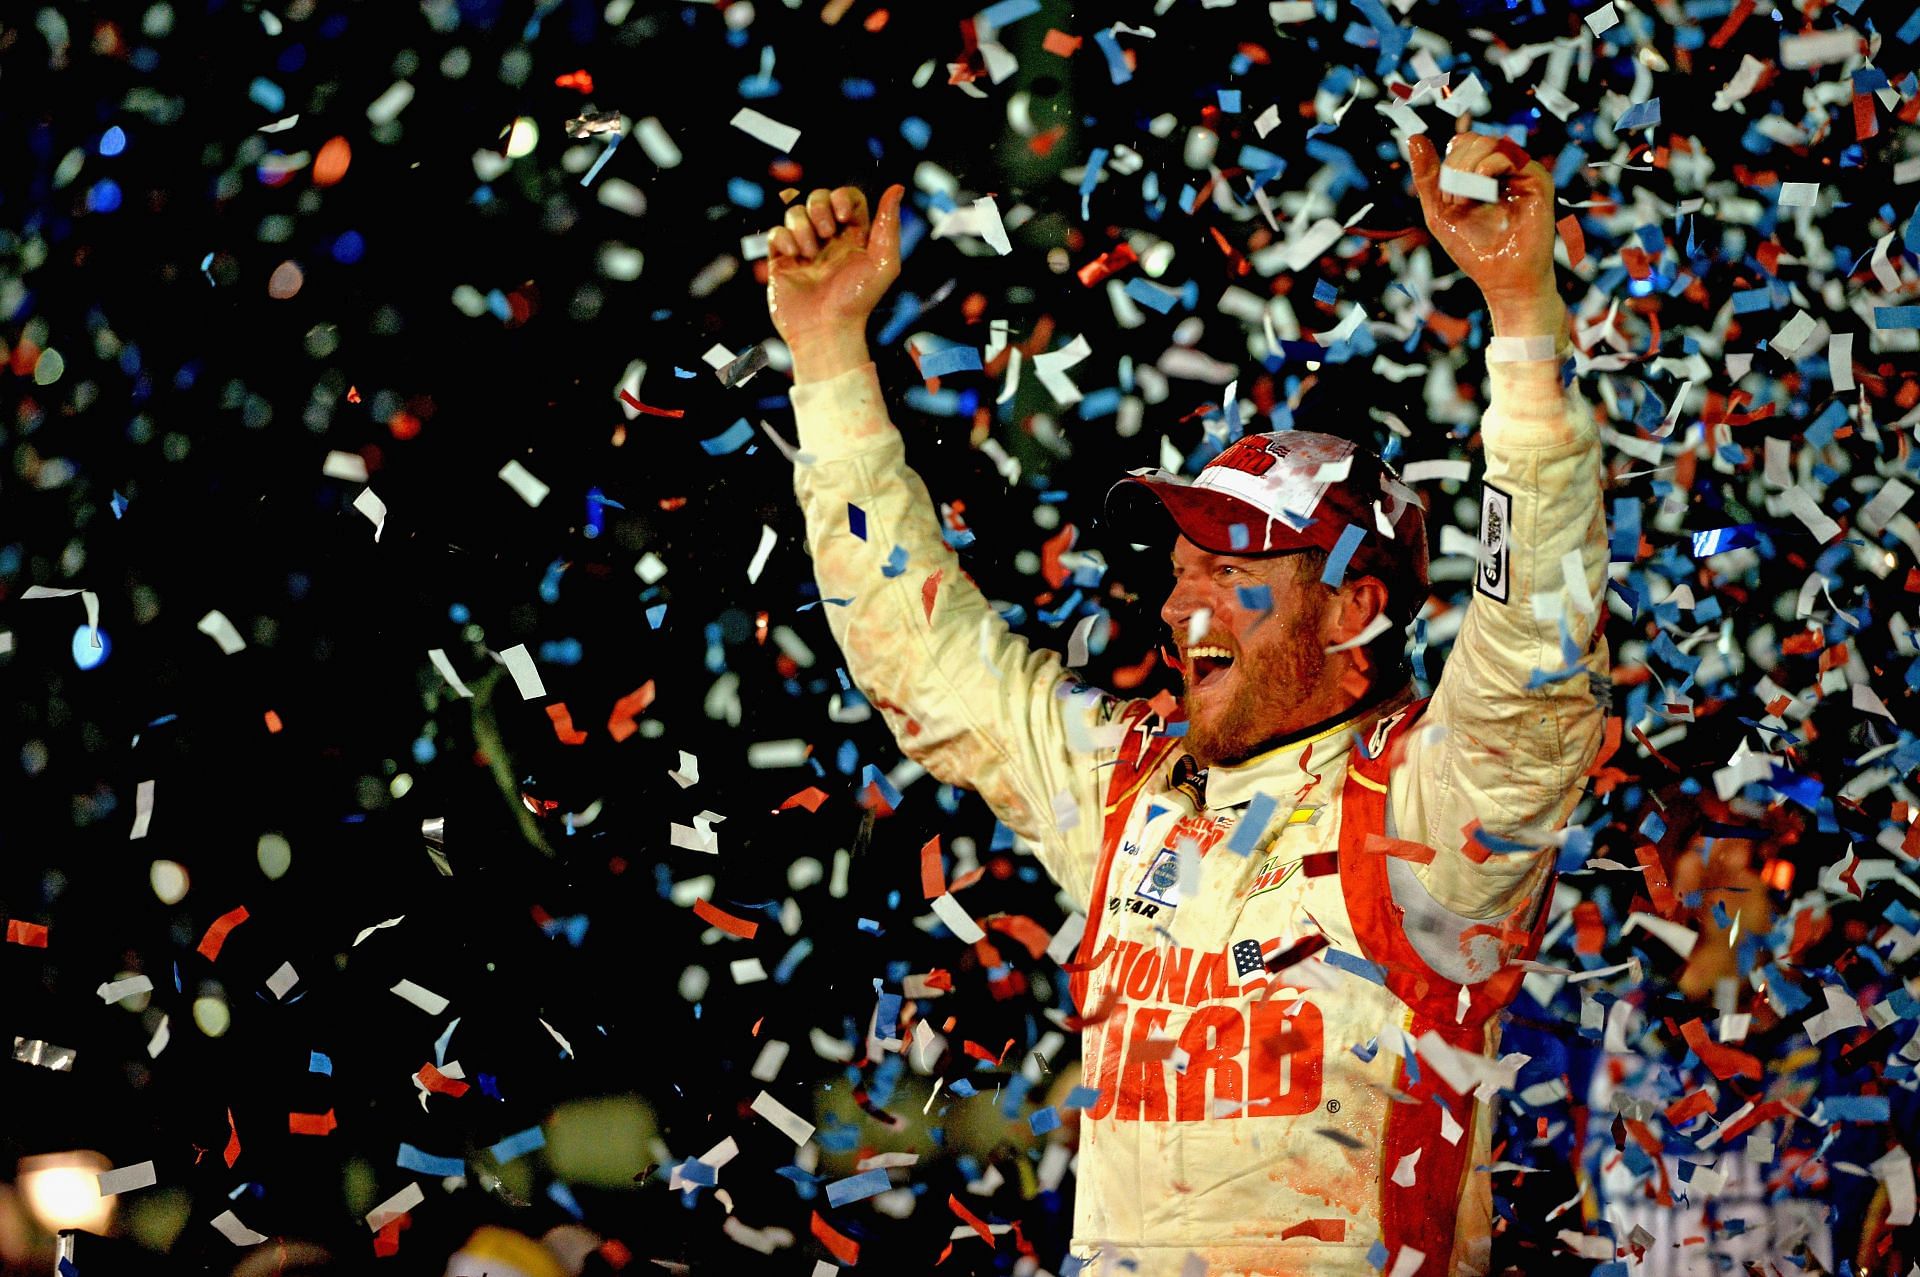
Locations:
column 1506, row 245
column 827, row 266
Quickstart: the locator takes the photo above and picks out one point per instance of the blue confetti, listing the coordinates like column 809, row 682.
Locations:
column 856, row 1188
column 1151, row 295
column 518, row 1145
column 1007, row 12
column 732, row 439
column 318, row 1063
column 856, row 521
column 1354, row 963
column 1246, row 834
column 1336, row 570
column 413, row 1159
column 1639, row 116
column 941, row 363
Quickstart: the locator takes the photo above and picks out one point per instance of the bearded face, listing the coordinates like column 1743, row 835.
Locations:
column 1252, row 677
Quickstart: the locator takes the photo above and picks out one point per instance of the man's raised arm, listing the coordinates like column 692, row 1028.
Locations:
column 965, row 698
column 1515, row 722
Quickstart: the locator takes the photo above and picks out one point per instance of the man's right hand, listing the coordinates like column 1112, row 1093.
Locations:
column 827, row 267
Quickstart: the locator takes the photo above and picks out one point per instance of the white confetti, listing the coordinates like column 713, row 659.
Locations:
column 378, row 926
column 217, row 627
column 394, row 1207
column 1842, row 1013
column 374, row 508
column 519, row 663
column 440, row 662
column 124, row 1179
column 1469, row 186
column 988, row 225
column 517, row 477
column 768, row 539
column 142, row 810
column 119, row 990
column 1800, row 503
column 426, row 999
column 1895, row 1170
column 1801, row 51
column 958, row 920
column 764, row 128
column 789, row 1123
column 345, row 465
column 282, row 980
column 234, row 1231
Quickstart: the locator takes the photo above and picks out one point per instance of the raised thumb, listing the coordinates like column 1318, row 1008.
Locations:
column 885, row 238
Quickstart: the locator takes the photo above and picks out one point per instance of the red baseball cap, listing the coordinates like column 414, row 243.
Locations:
column 1292, row 490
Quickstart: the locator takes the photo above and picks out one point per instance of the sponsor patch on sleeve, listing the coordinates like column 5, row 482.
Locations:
column 1496, row 522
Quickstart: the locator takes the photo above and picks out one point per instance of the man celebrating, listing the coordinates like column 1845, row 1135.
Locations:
column 1305, row 895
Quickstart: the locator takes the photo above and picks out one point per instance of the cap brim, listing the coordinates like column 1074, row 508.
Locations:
column 1218, row 523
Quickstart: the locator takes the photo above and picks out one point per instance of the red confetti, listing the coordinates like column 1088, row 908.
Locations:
column 810, row 798
column 649, row 409
column 928, row 589
column 233, row 1140
column 563, row 725
column 581, row 80
column 1740, row 14
column 970, row 1219
column 620, row 724
column 717, row 917
column 387, row 1240
column 1680, row 1112
column 1325, row 1230
column 842, row 1247
column 933, row 882
column 1722, row 1061
column 30, row 934
column 311, row 1123
column 1573, row 237
column 434, row 1080
column 1060, row 44
column 216, row 937
column 1030, row 934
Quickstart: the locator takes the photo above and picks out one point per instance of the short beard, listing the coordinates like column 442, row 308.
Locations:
column 1248, row 726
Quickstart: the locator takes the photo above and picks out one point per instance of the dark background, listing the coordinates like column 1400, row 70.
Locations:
column 209, row 407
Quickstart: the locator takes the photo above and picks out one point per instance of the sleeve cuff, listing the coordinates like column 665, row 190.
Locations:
column 1528, row 408
column 842, row 415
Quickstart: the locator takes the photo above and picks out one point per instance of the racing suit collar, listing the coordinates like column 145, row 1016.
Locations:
column 1280, row 771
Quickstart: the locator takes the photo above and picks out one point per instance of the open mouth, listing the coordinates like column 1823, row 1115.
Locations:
column 1207, row 664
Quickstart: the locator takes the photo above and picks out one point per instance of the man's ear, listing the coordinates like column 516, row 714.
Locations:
column 1355, row 605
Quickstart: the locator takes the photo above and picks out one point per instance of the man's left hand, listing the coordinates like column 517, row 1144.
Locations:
column 1506, row 245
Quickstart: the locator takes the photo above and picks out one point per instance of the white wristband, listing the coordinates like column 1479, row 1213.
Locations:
column 1520, row 350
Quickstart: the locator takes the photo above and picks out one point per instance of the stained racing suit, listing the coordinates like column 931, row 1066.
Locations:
column 1273, row 1122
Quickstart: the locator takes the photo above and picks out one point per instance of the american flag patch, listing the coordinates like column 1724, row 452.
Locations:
column 1251, row 955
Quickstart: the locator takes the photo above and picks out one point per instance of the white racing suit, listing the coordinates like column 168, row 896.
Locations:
column 1273, row 1122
